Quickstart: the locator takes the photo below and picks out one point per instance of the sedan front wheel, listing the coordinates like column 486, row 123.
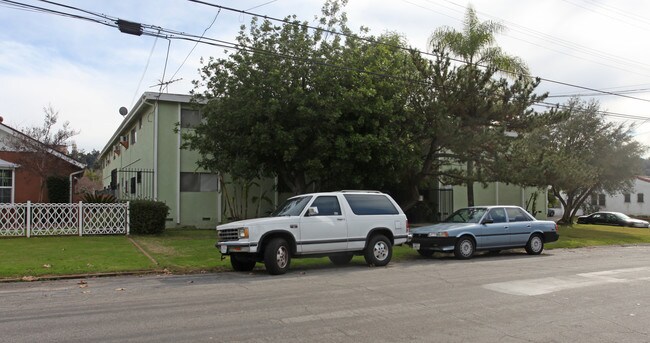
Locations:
column 464, row 248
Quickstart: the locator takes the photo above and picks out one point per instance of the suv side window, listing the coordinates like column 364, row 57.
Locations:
column 370, row 204
column 327, row 206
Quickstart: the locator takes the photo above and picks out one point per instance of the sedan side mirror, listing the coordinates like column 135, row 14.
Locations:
column 488, row 221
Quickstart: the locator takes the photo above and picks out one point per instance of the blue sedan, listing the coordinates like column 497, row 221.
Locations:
column 492, row 228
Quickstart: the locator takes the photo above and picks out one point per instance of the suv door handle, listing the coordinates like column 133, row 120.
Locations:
column 340, row 219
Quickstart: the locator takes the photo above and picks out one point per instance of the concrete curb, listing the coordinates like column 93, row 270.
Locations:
column 80, row 276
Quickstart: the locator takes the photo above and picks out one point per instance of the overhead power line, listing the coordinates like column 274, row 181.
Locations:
column 160, row 32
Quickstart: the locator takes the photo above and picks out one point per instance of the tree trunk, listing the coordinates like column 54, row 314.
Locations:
column 470, row 183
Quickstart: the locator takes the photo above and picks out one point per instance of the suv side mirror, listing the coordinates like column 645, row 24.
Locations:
column 312, row 211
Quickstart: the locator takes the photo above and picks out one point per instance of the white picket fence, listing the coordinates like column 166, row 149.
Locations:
column 38, row 219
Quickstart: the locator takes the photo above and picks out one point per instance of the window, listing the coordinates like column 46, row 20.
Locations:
column 594, row 200
column 601, row 199
column 199, row 182
column 517, row 215
column 370, row 204
column 134, row 136
column 190, row 118
column 639, row 197
column 6, row 185
column 498, row 215
column 327, row 206
column 626, row 197
column 133, row 188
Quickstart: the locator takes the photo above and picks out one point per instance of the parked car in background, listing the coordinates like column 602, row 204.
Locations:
column 612, row 218
column 492, row 228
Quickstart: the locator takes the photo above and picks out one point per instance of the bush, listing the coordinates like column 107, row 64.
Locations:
column 147, row 217
column 58, row 189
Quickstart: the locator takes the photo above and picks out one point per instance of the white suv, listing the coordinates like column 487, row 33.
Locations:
column 334, row 224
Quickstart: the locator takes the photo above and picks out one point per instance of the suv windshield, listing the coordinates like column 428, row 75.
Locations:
column 291, row 207
column 466, row 215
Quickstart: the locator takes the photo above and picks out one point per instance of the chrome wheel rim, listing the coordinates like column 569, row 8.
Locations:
column 380, row 250
column 282, row 256
column 466, row 248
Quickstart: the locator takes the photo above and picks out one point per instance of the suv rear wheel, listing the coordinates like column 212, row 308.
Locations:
column 277, row 256
column 379, row 251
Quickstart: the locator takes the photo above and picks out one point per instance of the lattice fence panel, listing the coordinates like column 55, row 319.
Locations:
column 105, row 219
column 55, row 219
column 13, row 220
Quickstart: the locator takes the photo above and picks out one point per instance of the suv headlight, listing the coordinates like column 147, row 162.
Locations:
column 439, row 234
column 243, row 232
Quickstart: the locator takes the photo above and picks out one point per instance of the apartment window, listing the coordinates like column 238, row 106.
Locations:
column 134, row 136
column 639, row 197
column 626, row 197
column 601, row 199
column 199, row 182
column 190, row 118
column 6, row 185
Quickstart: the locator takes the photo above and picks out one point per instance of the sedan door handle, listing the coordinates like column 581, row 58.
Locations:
column 340, row 219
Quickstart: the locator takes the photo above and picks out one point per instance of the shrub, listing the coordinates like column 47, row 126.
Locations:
column 58, row 189
column 99, row 198
column 147, row 217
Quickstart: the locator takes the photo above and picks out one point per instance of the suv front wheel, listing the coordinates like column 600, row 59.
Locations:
column 379, row 251
column 277, row 256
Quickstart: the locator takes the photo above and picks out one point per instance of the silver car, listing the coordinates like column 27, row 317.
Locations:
column 492, row 228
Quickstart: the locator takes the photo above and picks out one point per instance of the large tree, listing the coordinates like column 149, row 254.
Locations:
column 579, row 156
column 476, row 47
column 306, row 106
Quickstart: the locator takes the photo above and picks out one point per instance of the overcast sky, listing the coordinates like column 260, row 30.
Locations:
column 87, row 71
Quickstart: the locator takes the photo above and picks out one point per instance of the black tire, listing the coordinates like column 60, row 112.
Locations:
column 341, row 260
column 425, row 252
column 535, row 245
column 277, row 256
column 465, row 248
column 379, row 251
column 242, row 263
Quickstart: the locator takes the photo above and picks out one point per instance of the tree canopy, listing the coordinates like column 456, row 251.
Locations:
column 306, row 106
column 579, row 156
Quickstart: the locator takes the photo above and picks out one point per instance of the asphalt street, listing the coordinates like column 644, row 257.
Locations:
column 575, row 295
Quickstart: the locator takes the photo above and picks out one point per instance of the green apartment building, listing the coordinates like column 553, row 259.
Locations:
column 144, row 160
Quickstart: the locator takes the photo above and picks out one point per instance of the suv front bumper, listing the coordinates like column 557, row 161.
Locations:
column 226, row 248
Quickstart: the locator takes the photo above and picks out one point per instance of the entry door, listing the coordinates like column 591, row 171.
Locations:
column 325, row 231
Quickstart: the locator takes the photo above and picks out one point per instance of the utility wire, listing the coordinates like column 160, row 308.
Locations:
column 403, row 48
column 170, row 34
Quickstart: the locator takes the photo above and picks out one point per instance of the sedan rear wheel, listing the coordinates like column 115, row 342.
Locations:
column 535, row 245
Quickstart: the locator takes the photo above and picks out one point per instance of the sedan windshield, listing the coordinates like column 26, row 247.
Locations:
column 291, row 207
column 466, row 215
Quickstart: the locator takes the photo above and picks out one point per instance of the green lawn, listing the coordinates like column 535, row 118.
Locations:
column 186, row 250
